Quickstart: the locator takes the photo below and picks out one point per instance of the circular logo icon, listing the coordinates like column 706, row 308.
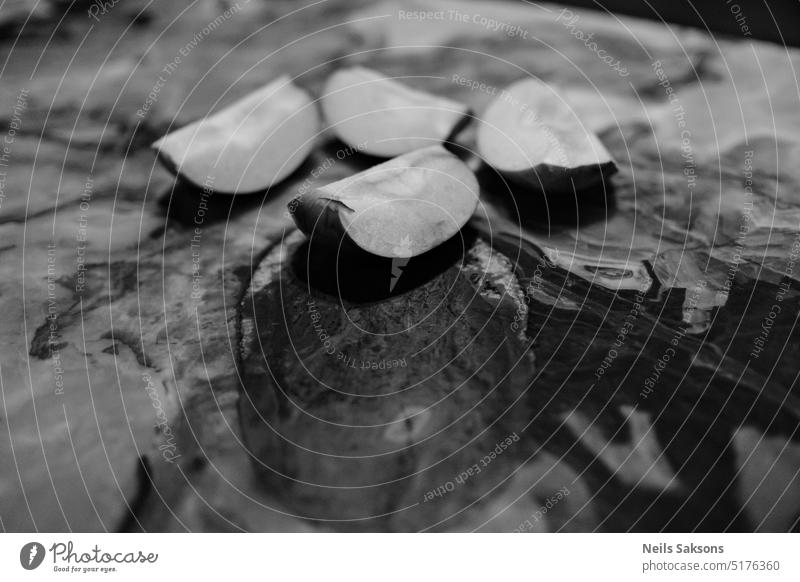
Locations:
column 31, row 555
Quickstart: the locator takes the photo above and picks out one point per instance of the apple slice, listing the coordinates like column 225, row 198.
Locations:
column 384, row 117
column 398, row 209
column 530, row 134
column 248, row 146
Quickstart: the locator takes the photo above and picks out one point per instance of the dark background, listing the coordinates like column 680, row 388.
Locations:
column 773, row 21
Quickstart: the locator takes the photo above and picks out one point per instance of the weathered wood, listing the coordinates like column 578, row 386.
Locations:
column 146, row 300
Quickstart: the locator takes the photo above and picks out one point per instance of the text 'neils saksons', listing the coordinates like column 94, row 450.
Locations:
column 663, row 548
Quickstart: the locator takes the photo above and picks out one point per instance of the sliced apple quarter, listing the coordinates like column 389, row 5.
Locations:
column 249, row 145
column 529, row 133
column 400, row 208
column 383, row 117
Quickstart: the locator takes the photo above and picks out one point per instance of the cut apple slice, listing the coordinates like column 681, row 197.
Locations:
column 530, row 133
column 397, row 209
column 248, row 146
column 383, row 117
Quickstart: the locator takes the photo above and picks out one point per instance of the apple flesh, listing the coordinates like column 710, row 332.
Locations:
column 385, row 118
column 398, row 209
column 248, row 146
column 530, row 134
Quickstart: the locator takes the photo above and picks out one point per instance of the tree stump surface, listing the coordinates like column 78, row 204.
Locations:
column 630, row 352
